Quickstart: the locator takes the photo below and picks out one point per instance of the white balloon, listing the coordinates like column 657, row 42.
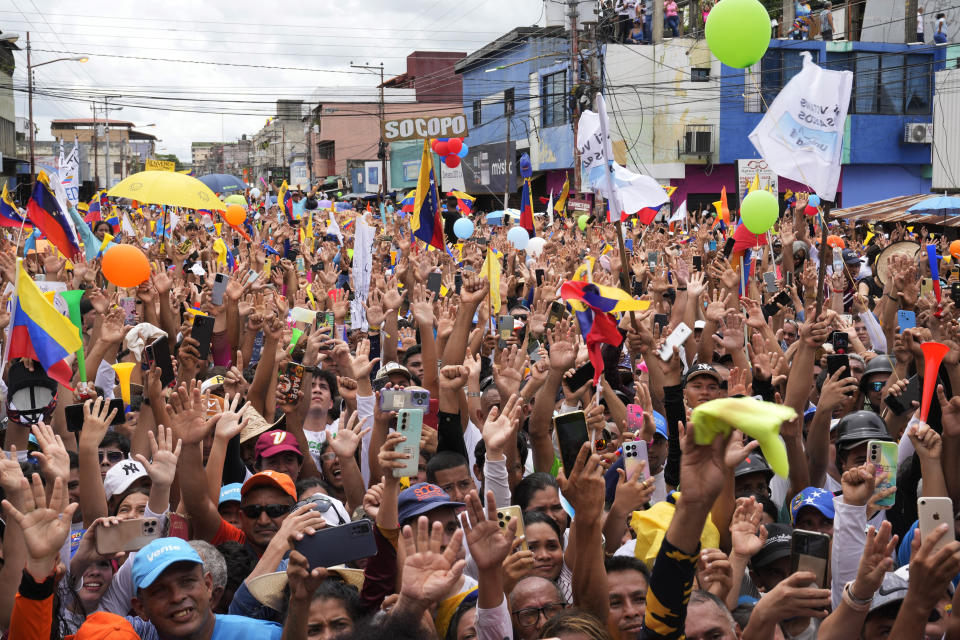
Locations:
column 255, row 193
column 535, row 246
column 518, row 237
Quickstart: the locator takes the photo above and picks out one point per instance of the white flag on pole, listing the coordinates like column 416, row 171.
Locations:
column 801, row 135
column 69, row 173
column 550, row 211
column 680, row 214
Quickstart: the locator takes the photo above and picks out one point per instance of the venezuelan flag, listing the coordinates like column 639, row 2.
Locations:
column 44, row 211
column 464, row 201
column 526, row 209
column 93, row 210
column 9, row 214
column 425, row 222
column 40, row 332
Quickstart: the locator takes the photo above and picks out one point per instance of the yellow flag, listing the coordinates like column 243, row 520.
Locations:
column 221, row 249
column 491, row 271
column 755, row 184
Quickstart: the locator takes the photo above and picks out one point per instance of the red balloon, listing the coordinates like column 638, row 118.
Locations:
column 433, row 145
column 452, row 161
column 454, row 145
column 442, row 148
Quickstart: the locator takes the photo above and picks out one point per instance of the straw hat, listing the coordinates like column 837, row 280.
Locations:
column 903, row 248
column 270, row 589
column 254, row 424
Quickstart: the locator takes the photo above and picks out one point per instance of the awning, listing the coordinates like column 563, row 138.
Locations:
column 894, row 210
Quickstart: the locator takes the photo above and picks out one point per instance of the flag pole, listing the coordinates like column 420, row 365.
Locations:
column 490, row 283
column 821, row 276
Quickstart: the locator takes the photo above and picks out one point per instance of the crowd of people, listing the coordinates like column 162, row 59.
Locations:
column 372, row 453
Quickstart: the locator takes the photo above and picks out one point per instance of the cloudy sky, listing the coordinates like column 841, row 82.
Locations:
column 134, row 49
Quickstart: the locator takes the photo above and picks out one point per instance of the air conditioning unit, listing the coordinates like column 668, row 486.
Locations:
column 918, row 132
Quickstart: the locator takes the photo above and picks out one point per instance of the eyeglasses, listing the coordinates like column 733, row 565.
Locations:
column 529, row 617
column 876, row 385
column 253, row 511
column 113, row 457
column 329, row 456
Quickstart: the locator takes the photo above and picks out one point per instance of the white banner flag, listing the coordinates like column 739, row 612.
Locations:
column 70, row 173
column 680, row 215
column 627, row 192
column 801, row 135
column 362, row 268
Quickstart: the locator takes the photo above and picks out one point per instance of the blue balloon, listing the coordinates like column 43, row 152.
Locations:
column 526, row 167
column 814, row 200
column 442, row 139
column 518, row 237
column 463, row 228
column 463, row 151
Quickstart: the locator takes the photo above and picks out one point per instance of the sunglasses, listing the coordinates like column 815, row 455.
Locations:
column 876, row 385
column 113, row 457
column 253, row 511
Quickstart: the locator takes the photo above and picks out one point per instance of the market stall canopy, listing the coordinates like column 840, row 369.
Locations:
column 223, row 182
column 898, row 210
column 937, row 206
column 168, row 188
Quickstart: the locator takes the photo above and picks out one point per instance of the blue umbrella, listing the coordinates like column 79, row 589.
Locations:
column 222, row 182
column 937, row 206
column 496, row 217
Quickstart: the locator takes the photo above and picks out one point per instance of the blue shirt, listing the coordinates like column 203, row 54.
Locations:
column 242, row 628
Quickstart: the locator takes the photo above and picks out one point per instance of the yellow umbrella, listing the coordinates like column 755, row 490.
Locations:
column 169, row 188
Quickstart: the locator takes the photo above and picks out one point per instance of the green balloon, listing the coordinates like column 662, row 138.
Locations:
column 339, row 194
column 738, row 32
column 582, row 220
column 759, row 210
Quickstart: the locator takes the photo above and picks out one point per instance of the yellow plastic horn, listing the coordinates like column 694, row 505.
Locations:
column 124, row 370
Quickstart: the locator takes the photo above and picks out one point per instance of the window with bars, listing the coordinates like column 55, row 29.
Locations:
column 553, row 103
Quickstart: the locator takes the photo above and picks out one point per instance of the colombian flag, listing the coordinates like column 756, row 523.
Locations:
column 526, row 209
column 9, row 214
column 44, row 211
column 426, row 223
column 40, row 332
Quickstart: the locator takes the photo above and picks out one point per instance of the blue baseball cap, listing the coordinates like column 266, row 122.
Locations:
column 422, row 498
column 156, row 557
column 819, row 499
column 230, row 493
column 660, row 421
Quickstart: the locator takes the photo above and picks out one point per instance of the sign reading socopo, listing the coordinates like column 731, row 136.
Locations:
column 454, row 126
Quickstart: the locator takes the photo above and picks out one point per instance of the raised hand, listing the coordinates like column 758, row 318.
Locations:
column 746, row 531
column 45, row 526
column 489, row 544
column 429, row 571
column 229, row 423
column 53, row 457
column 501, row 428
column 186, row 410
column 346, row 440
column 876, row 560
column 165, row 454
column 301, row 580
column 97, row 417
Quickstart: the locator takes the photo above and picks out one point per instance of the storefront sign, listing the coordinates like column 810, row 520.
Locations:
column 486, row 170
column 452, row 126
column 747, row 169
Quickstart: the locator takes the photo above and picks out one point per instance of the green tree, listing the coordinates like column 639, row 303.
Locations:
column 170, row 157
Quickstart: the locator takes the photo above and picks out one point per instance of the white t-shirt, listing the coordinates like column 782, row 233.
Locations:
column 919, row 22
column 315, row 440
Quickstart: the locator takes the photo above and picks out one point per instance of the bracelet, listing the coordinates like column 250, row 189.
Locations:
column 837, row 290
column 892, row 298
column 681, row 288
column 855, row 603
column 473, row 394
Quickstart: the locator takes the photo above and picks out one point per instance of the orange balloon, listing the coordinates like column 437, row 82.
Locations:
column 836, row 242
column 955, row 249
column 125, row 266
column 235, row 215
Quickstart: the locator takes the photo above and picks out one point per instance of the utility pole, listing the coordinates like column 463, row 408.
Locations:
column 382, row 145
column 106, row 131
column 786, row 23
column 33, row 175
column 575, row 79
column 96, row 149
column 909, row 22
column 657, row 23
column 507, row 172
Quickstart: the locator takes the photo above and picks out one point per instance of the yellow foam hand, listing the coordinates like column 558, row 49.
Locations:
column 759, row 420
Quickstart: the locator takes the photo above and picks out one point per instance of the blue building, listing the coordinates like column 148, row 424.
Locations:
column 526, row 73
column 887, row 150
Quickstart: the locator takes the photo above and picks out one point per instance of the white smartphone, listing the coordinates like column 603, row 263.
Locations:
column 410, row 424
column 220, row 281
column 635, row 451
column 933, row 512
column 675, row 339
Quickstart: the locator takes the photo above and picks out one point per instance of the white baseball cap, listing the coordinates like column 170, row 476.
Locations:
column 122, row 475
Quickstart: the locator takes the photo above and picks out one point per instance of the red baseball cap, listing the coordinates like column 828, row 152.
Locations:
column 277, row 441
column 275, row 479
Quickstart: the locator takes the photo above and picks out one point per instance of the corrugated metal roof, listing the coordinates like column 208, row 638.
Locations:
column 894, row 210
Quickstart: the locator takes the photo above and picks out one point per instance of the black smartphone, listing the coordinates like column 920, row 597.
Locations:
column 661, row 320
column 331, row 546
column 202, row 332
column 434, row 282
column 457, row 282
column 788, row 278
column 74, row 414
column 636, row 287
column 697, row 263
column 557, row 310
column 837, row 361
column 158, row 355
column 810, row 551
column 539, row 273
column 904, row 402
column 840, row 341
column 728, row 247
column 571, row 431
column 580, row 377
column 236, row 243
column 955, row 292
